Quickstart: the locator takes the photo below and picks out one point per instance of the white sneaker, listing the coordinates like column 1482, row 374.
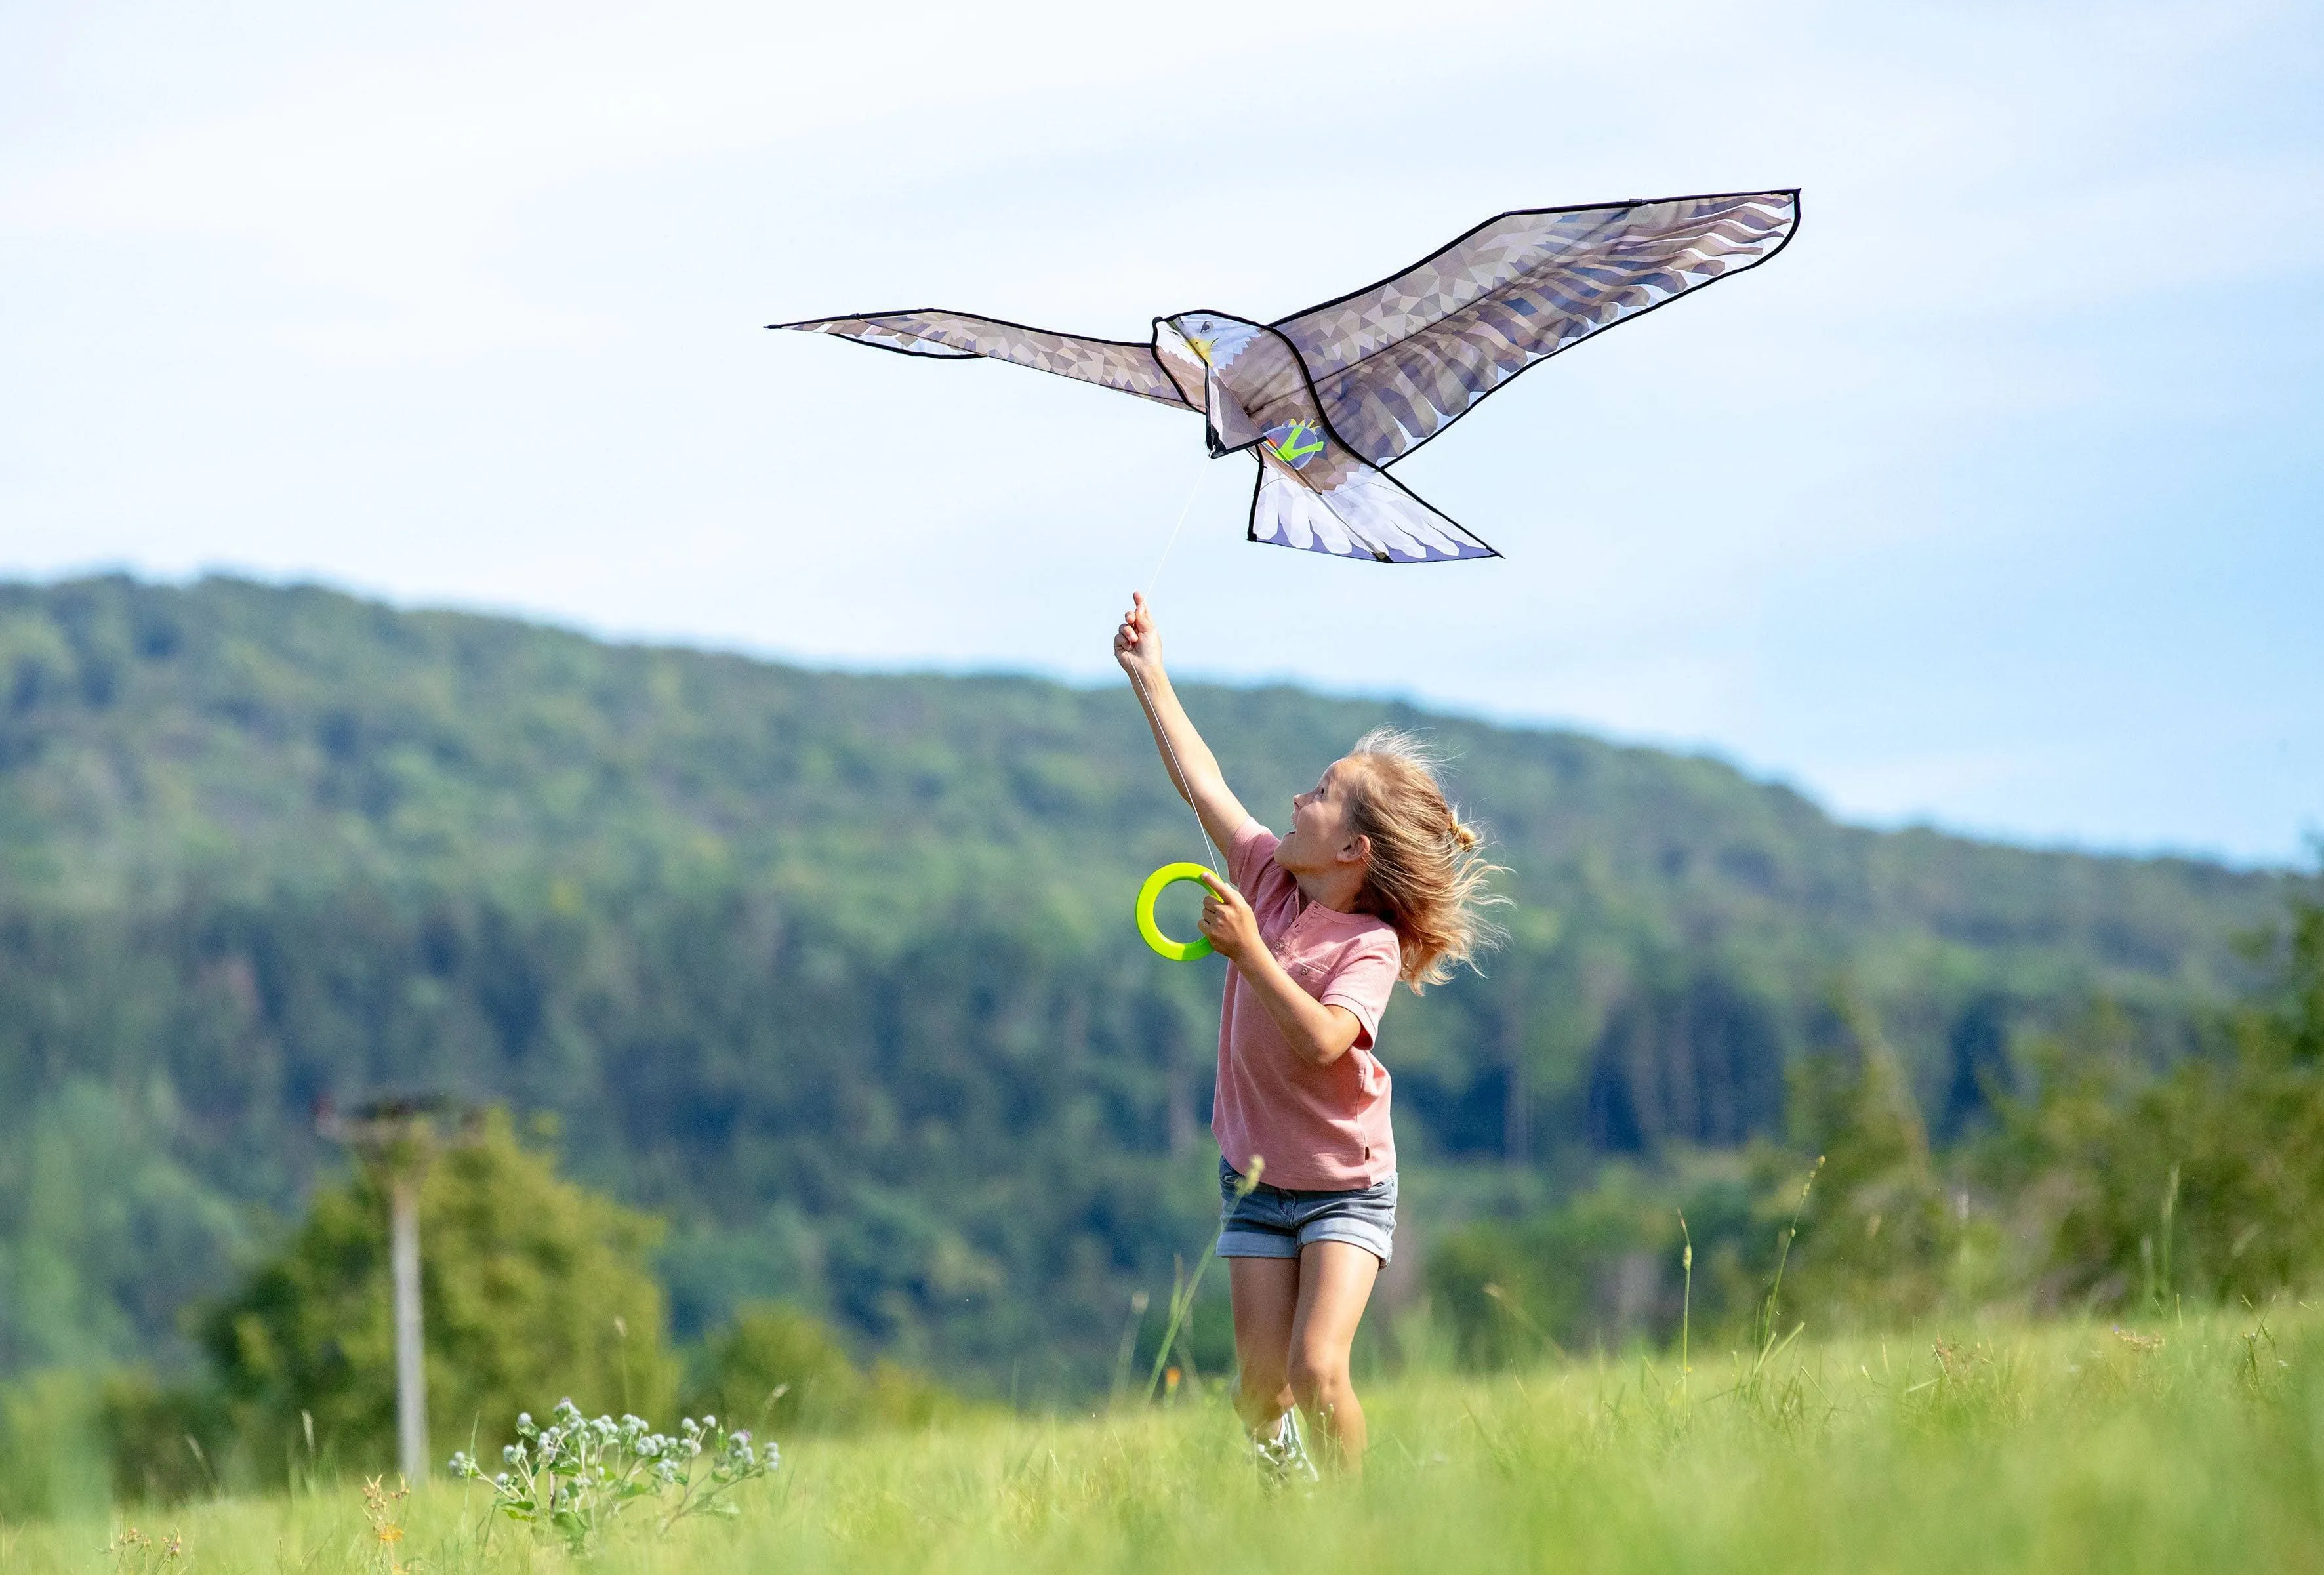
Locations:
column 1282, row 1458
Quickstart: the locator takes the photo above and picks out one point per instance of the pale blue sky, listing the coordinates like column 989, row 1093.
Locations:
column 1997, row 500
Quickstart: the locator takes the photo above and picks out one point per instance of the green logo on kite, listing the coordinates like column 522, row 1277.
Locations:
column 1295, row 443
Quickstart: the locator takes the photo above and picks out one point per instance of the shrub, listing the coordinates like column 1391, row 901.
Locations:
column 51, row 1449
column 164, row 1440
column 1601, row 1268
column 780, row 1366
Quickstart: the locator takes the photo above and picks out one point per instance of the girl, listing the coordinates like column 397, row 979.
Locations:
column 1377, row 881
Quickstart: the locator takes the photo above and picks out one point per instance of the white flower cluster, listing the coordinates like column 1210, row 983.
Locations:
column 576, row 1475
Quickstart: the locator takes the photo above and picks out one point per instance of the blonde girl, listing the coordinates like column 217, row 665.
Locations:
column 1376, row 881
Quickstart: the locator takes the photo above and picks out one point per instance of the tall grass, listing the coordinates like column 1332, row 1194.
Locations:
column 2198, row 1444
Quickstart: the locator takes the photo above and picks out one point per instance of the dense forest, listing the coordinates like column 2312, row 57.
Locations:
column 836, row 973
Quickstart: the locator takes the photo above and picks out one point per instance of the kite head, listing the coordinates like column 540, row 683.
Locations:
column 1216, row 340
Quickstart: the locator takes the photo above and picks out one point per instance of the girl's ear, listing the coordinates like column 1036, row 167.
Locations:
column 1357, row 850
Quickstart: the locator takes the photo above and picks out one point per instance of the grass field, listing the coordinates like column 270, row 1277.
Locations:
column 2192, row 1444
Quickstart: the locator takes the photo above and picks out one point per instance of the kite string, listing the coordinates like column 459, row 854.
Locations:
column 1210, row 844
column 1184, row 509
column 1162, row 731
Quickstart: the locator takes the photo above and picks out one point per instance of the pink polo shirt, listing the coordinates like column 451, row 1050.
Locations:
column 1321, row 1129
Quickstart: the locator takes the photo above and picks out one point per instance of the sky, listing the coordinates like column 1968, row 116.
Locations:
column 1996, row 501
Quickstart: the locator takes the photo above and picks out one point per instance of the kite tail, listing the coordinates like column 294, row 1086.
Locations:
column 1362, row 511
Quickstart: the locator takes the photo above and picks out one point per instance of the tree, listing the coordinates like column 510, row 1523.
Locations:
column 2210, row 1185
column 534, row 1289
column 780, row 1368
column 1876, row 1238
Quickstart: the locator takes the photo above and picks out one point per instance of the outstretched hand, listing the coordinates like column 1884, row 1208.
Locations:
column 1137, row 644
column 1228, row 921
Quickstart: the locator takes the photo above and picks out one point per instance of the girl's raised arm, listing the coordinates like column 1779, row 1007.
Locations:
column 1193, row 769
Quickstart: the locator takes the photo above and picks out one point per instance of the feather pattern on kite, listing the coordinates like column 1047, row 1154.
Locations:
column 1331, row 397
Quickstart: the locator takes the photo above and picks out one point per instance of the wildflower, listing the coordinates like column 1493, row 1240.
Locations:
column 379, row 1509
column 582, row 1472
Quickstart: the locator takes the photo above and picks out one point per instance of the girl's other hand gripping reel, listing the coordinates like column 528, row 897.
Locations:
column 1167, row 876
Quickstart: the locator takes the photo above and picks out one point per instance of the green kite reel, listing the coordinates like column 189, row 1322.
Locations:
column 1170, row 875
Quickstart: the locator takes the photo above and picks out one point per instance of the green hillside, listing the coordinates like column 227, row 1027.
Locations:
column 836, row 971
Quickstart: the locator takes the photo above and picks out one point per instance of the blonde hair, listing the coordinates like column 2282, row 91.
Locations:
column 1427, row 878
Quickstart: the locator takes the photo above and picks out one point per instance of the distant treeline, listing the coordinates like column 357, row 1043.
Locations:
column 835, row 971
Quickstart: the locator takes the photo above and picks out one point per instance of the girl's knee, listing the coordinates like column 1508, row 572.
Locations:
column 1317, row 1378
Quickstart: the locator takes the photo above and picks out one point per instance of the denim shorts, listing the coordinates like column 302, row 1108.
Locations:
column 1277, row 1221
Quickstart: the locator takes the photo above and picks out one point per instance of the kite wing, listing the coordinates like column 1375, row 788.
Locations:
column 957, row 336
column 1397, row 362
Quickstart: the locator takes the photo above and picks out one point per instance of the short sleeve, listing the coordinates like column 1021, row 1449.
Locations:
column 1363, row 981
column 1248, row 854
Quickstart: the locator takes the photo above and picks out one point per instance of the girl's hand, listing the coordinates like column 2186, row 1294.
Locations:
column 1137, row 644
column 1229, row 924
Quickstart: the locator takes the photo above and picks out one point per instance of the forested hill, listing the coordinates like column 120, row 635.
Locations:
column 837, row 971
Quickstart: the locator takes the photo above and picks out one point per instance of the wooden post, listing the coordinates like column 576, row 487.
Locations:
column 397, row 1137
column 411, row 1349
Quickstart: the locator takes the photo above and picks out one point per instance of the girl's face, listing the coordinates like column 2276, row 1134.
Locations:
column 1322, row 839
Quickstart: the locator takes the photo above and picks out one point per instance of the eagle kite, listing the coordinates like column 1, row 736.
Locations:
column 1331, row 397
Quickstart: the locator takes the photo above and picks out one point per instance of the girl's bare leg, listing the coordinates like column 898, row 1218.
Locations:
column 1295, row 1323
column 1334, row 1283
column 1266, row 1292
